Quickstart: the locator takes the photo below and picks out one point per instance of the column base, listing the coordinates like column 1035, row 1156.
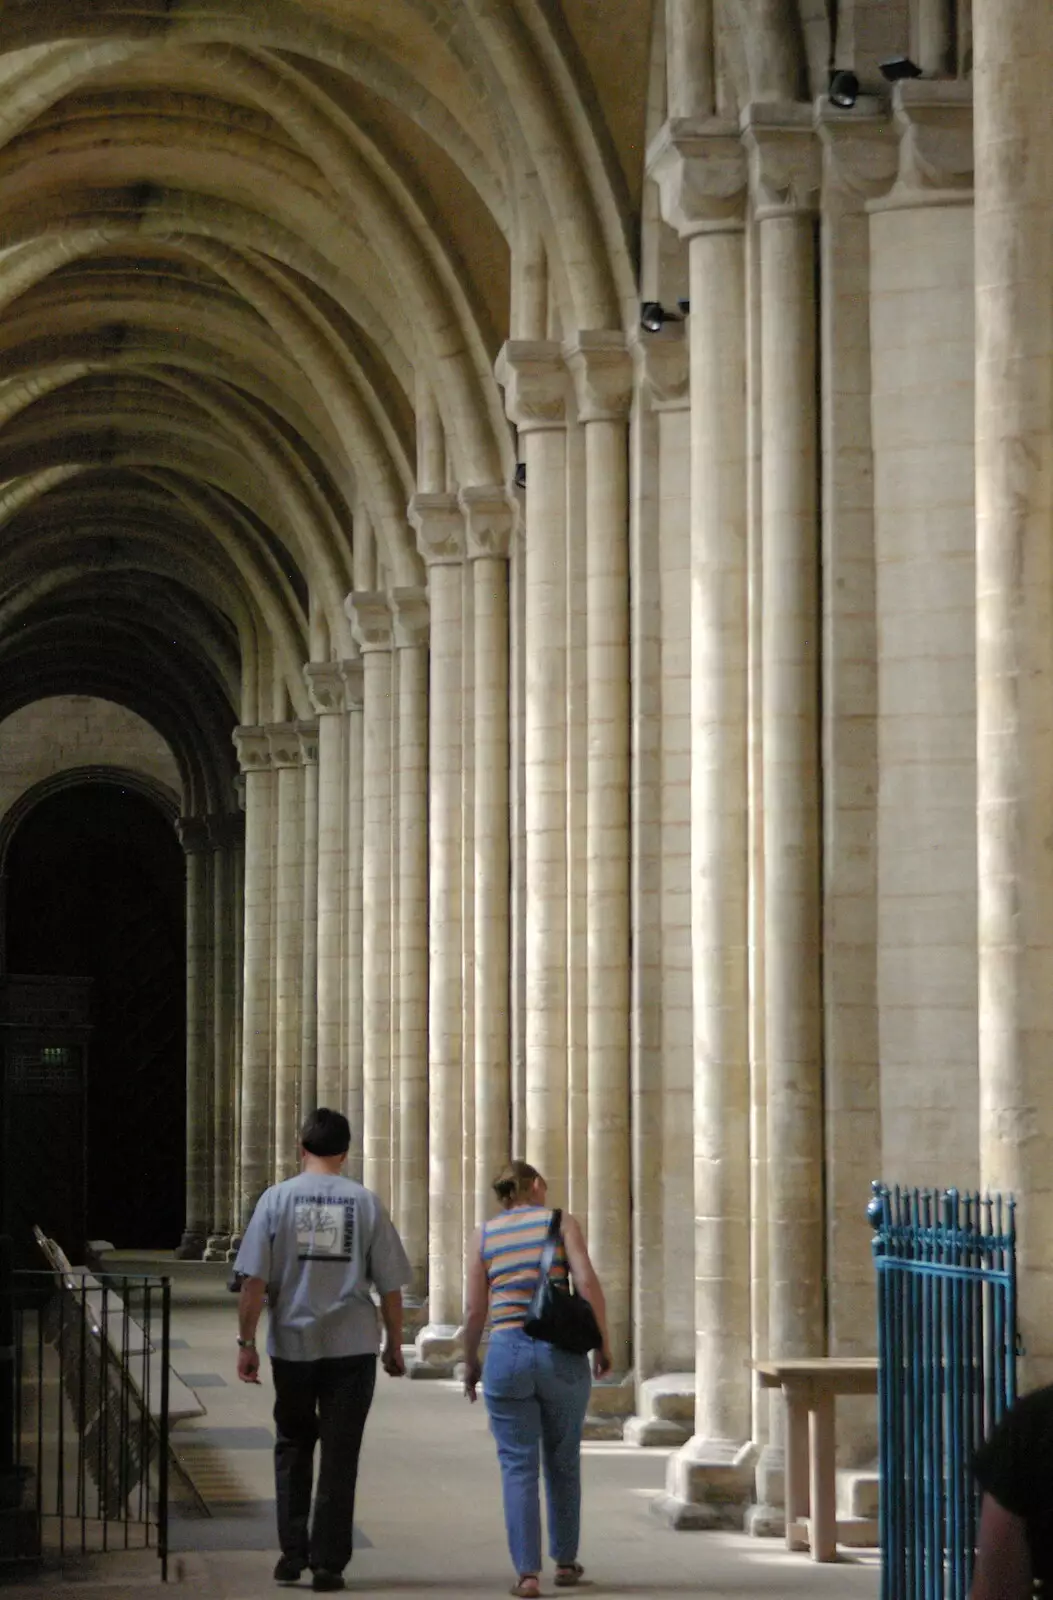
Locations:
column 709, row 1485
column 218, row 1247
column 665, row 1413
column 767, row 1518
column 439, row 1349
column 235, row 1246
column 191, row 1247
column 610, row 1403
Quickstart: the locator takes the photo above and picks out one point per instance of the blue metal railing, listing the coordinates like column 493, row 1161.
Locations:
column 947, row 1348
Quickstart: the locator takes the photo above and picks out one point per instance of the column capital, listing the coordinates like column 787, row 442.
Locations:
column 254, row 751
column 784, row 158
column 353, row 674
column 193, row 834
column 699, row 165
column 307, row 734
column 284, row 742
column 226, row 829
column 370, row 613
column 663, row 370
column 934, row 119
column 533, row 376
column 325, row 686
column 490, row 514
column 412, row 617
column 599, row 363
column 439, row 524
column 860, row 148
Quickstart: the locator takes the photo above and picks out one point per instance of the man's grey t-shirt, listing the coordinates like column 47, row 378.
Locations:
column 319, row 1241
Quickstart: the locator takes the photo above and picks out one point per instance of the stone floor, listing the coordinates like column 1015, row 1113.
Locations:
column 429, row 1511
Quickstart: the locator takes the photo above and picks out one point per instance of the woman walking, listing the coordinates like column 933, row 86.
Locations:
column 536, row 1393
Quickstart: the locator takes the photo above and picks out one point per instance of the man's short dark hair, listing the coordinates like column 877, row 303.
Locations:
column 326, row 1133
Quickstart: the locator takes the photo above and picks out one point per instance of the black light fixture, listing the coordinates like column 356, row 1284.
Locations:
column 653, row 316
column 520, row 478
column 897, row 67
column 843, row 90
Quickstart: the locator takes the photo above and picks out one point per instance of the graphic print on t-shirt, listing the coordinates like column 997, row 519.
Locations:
column 325, row 1228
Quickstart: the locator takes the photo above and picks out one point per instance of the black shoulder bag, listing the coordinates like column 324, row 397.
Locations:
column 555, row 1314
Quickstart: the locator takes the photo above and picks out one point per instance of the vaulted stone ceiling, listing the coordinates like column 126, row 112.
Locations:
column 238, row 244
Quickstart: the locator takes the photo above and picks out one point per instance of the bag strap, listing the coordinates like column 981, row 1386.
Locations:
column 548, row 1253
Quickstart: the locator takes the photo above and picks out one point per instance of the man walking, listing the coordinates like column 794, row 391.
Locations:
column 316, row 1245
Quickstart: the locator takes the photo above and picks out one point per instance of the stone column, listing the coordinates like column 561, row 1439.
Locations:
column 534, row 378
column 1014, row 630
column 239, row 1009
column 700, row 169
column 225, row 833
column 326, row 687
column 439, row 524
column 353, row 674
column 370, row 615
column 602, row 372
column 785, row 175
column 489, row 516
column 410, row 1071
column 308, row 732
column 193, row 835
column 287, row 760
column 257, row 1038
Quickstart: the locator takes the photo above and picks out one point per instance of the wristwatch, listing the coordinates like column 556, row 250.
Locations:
column 246, row 1344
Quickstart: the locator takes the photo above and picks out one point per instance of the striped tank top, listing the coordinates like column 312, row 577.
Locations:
column 511, row 1247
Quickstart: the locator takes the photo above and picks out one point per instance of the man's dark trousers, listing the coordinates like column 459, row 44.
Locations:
column 327, row 1401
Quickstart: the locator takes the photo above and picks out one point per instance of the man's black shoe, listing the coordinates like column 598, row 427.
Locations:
column 288, row 1570
column 327, row 1582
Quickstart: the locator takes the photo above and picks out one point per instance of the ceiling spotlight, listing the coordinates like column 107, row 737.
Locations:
column 653, row 316
column 684, row 307
column 897, row 67
column 843, row 90
column 520, row 478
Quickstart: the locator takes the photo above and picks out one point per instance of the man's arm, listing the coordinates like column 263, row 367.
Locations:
column 250, row 1305
column 391, row 1312
column 1003, row 1560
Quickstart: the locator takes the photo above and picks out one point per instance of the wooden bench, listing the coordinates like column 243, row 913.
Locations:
column 810, row 1387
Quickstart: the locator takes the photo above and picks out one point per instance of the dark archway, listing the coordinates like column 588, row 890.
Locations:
column 96, row 888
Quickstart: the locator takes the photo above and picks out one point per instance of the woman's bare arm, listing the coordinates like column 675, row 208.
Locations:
column 1003, row 1560
column 478, row 1303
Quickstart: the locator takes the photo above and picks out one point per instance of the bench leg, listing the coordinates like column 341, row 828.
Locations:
column 796, row 1470
column 822, row 1473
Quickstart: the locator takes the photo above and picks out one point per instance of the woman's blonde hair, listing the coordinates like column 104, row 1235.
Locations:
column 514, row 1182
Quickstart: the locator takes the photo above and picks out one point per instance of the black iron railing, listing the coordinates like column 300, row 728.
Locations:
column 947, row 1347
column 88, row 1441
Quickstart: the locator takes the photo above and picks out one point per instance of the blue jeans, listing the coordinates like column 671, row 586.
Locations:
column 537, row 1397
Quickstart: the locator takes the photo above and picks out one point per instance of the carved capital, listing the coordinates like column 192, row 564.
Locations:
column 439, row 524
column 254, row 751
column 601, row 367
column 325, row 686
column 411, row 617
column 532, row 374
column 226, row 830
column 370, row 613
column 860, row 148
column 193, row 834
column 935, row 122
column 354, row 678
column 284, row 741
column 307, row 734
column 699, row 166
column 490, row 515
column 663, row 371
column 784, row 156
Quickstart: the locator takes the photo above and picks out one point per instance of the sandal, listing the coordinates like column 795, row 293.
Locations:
column 526, row 1587
column 570, row 1576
